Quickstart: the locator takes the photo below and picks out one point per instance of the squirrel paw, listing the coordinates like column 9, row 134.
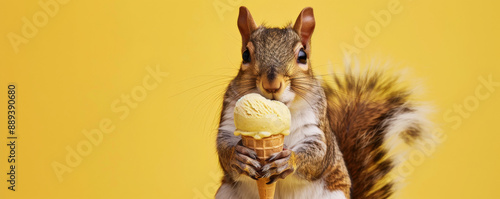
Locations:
column 245, row 162
column 279, row 165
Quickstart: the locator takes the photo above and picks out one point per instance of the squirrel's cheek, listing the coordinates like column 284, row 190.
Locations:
column 245, row 66
column 303, row 67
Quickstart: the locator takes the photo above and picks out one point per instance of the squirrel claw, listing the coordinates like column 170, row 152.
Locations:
column 244, row 161
column 286, row 153
column 245, row 151
column 247, row 170
column 280, row 165
column 282, row 176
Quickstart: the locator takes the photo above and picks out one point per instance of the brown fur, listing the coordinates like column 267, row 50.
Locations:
column 358, row 110
column 354, row 114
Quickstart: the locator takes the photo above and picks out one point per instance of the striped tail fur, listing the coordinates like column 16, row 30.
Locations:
column 370, row 114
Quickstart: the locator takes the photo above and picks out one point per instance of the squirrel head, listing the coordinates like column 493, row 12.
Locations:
column 276, row 60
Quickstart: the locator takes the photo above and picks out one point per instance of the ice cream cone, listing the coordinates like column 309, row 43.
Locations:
column 262, row 124
column 264, row 148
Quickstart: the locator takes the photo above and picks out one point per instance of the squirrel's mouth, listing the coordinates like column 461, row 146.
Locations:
column 284, row 95
column 281, row 99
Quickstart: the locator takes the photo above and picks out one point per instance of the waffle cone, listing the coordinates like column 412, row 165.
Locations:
column 264, row 148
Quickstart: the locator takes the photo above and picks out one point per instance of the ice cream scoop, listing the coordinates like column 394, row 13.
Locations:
column 259, row 117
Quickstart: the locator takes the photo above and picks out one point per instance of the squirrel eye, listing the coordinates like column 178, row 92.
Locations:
column 246, row 57
column 302, row 58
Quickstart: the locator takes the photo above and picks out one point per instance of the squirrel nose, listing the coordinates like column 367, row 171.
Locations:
column 272, row 86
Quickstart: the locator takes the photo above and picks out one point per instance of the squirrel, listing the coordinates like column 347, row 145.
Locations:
column 338, row 146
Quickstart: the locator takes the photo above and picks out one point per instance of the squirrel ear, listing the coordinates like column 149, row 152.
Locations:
column 304, row 25
column 246, row 24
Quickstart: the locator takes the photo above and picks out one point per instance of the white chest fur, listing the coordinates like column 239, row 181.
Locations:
column 289, row 188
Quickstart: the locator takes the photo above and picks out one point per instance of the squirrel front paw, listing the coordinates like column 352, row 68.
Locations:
column 244, row 161
column 279, row 165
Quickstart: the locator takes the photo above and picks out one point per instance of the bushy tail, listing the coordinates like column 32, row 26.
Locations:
column 370, row 114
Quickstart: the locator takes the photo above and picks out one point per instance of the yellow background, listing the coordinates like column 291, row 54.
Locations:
column 92, row 52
